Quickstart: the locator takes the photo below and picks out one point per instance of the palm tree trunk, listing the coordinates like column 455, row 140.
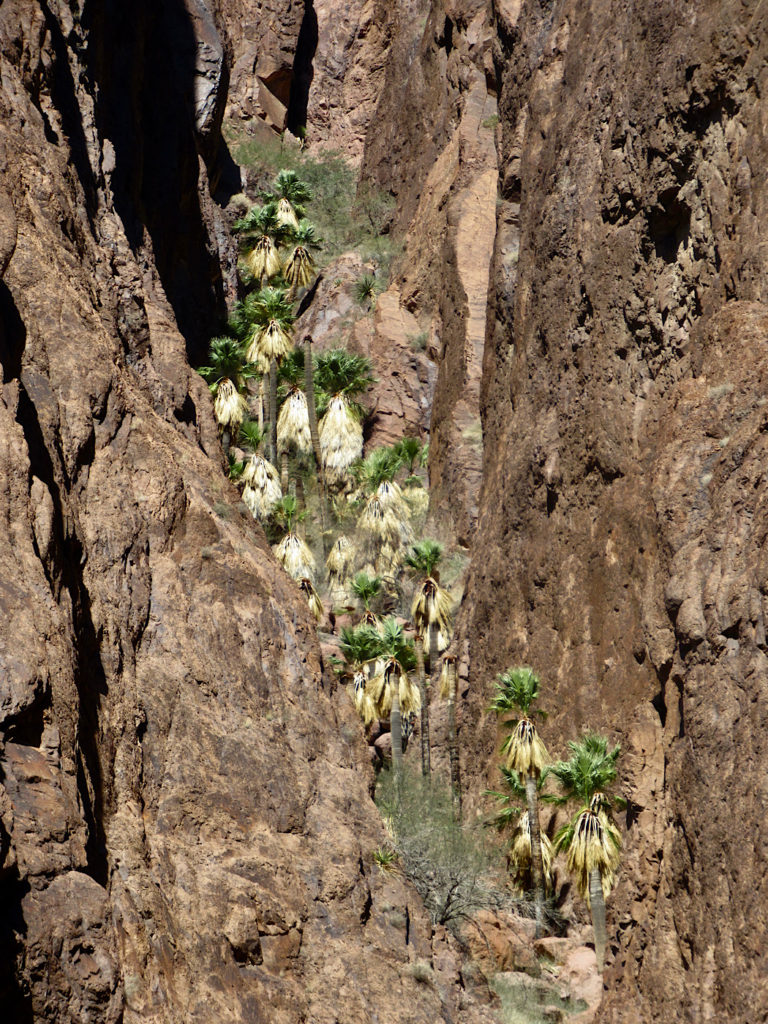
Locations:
column 273, row 413
column 396, row 730
column 537, row 865
column 434, row 654
column 597, row 902
column 314, row 432
column 453, row 748
column 261, row 405
column 426, row 766
column 284, row 472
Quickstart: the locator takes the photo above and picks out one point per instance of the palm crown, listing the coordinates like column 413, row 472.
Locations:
column 226, row 358
column 341, row 373
column 424, row 557
column 516, row 691
column 289, row 186
column 366, row 588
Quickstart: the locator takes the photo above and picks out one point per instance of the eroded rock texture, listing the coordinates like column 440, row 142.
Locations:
column 621, row 542
column 186, row 831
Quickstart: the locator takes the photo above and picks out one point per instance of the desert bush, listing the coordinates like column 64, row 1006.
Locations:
column 451, row 865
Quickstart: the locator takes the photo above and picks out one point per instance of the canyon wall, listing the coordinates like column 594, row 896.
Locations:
column 185, row 824
column 186, row 830
column 621, row 540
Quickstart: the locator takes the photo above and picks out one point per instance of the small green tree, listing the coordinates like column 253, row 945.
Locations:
column 590, row 839
column 517, row 690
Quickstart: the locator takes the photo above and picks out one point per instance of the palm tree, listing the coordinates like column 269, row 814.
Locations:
column 261, row 484
column 227, row 371
column 359, row 648
column 340, row 378
column 385, row 516
column 289, row 192
column 509, row 815
column 516, row 691
column 591, row 839
column 261, row 231
column 338, row 565
column 365, row 588
column 292, row 552
column 392, row 691
column 299, row 264
column 270, row 314
column 448, row 692
column 431, row 609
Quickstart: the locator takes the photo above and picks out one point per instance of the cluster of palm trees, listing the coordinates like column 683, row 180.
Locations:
column 381, row 654
column 590, row 839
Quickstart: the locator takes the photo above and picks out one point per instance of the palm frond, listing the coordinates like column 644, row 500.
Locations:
column 424, row 557
column 341, row 438
column 293, row 423
column 339, row 372
column 295, row 556
column 432, row 608
column 340, row 557
column 313, row 598
column 229, row 406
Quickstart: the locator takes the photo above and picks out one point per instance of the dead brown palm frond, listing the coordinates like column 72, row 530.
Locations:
column 295, row 557
column 299, row 268
column 263, row 260
column 340, row 558
column 229, row 406
column 379, row 522
column 313, row 599
column 593, row 845
column 520, row 854
column 274, row 341
column 526, row 753
column 293, row 423
column 448, row 679
column 341, row 438
column 410, row 698
column 388, row 560
column 432, row 608
column 262, row 489
column 286, row 215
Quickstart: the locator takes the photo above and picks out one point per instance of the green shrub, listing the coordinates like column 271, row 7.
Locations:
column 450, row 864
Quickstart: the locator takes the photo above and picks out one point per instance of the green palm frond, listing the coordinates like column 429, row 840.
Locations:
column 395, row 646
column 306, row 236
column 288, row 185
column 358, row 646
column 379, row 467
column 251, row 436
column 590, row 769
column 338, row 372
column 516, row 689
column 226, row 358
column 366, row 588
column 409, row 449
column 290, row 373
column 424, row 556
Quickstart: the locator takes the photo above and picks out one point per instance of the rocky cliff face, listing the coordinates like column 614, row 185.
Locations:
column 620, row 547
column 185, row 827
column 187, row 832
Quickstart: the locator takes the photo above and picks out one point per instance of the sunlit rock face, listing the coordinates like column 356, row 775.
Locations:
column 620, row 546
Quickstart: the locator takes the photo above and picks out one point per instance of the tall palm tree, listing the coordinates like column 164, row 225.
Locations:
column 392, row 691
column 431, row 609
column 227, row 371
column 341, row 378
column 517, row 690
column 299, row 264
column 261, row 234
column 359, row 647
column 385, row 519
column 448, row 692
column 270, row 314
column 292, row 552
column 591, row 839
column 289, row 193
column 510, row 816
